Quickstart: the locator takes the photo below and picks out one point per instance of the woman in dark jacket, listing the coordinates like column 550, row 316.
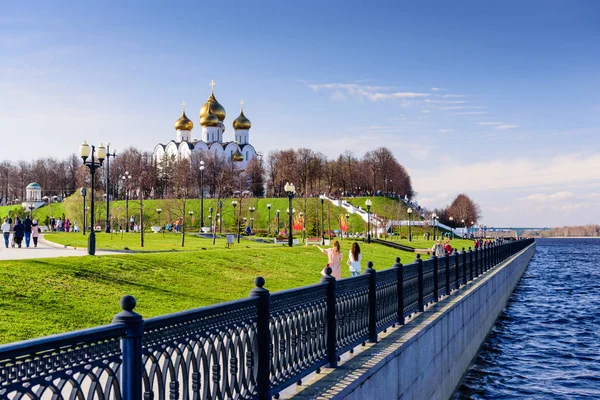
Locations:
column 19, row 230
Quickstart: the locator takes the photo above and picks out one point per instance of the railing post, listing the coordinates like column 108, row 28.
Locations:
column 331, row 324
column 476, row 262
column 456, row 269
column 485, row 259
column 400, row 289
column 130, row 377
column 463, row 253
column 470, row 264
column 435, row 278
column 263, row 338
column 372, row 302
column 447, row 262
column 420, row 281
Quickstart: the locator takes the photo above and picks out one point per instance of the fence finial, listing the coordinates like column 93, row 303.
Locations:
column 259, row 281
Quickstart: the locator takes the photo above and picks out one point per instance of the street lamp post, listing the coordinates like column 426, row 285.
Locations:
column 210, row 221
column 409, row 211
column 126, row 178
column 108, row 156
column 158, row 211
column 433, row 219
column 464, row 227
column 269, row 224
column 251, row 209
column 83, row 192
column 234, row 203
column 191, row 213
column 201, row 195
column 85, row 151
column 277, row 215
column 452, row 226
column 290, row 190
column 368, row 203
column 322, row 197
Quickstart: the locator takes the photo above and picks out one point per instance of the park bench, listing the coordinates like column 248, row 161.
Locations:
column 316, row 240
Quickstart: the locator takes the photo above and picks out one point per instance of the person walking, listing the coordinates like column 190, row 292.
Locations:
column 6, row 231
column 354, row 259
column 35, row 232
column 438, row 249
column 27, row 226
column 334, row 255
column 19, row 232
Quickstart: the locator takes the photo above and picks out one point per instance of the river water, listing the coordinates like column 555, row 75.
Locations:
column 546, row 343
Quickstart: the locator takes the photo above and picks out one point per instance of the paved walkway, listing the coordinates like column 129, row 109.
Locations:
column 43, row 250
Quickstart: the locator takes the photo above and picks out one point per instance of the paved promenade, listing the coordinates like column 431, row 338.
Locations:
column 44, row 249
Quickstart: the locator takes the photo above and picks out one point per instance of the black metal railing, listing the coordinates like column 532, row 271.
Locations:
column 245, row 349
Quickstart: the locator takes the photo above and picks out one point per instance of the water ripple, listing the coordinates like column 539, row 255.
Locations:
column 546, row 343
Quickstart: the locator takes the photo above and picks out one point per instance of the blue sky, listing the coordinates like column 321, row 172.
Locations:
column 499, row 101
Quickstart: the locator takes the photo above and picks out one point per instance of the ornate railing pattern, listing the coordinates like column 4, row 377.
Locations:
column 410, row 289
column 387, row 298
column 297, row 326
column 428, row 277
column 352, row 312
column 244, row 349
column 203, row 354
column 74, row 365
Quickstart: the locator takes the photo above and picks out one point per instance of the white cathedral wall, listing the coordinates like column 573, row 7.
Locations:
column 183, row 135
column 241, row 136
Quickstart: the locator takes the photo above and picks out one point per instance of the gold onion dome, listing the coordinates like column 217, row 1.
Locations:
column 242, row 122
column 216, row 108
column 184, row 123
column 208, row 118
column 237, row 156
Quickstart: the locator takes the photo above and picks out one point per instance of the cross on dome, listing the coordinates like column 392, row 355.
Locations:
column 242, row 105
column 183, row 106
column 212, row 86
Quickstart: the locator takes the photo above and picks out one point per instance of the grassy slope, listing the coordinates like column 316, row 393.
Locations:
column 46, row 296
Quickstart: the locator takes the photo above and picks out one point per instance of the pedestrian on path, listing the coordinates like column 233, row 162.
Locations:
column 19, row 232
column 27, row 225
column 6, row 231
column 35, row 232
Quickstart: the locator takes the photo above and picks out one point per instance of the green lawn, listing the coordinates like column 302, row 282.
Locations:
column 47, row 296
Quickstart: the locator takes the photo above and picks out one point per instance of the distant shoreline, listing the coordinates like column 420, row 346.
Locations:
column 567, row 237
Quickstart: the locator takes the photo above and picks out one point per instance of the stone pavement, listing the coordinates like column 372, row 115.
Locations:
column 44, row 249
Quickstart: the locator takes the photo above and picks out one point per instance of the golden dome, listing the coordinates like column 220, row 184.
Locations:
column 216, row 108
column 242, row 122
column 237, row 156
column 208, row 119
column 184, row 123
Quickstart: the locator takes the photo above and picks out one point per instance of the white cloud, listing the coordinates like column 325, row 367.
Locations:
column 490, row 123
column 462, row 108
column 437, row 89
column 542, row 197
column 507, row 126
column 509, row 174
column 471, row 113
column 433, row 101
column 452, row 95
column 372, row 93
column 446, row 130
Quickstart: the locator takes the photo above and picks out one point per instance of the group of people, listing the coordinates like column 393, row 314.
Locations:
column 334, row 259
column 58, row 225
column 27, row 229
column 440, row 249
